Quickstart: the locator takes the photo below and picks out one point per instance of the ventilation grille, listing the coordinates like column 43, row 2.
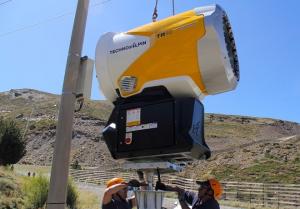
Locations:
column 231, row 48
column 128, row 83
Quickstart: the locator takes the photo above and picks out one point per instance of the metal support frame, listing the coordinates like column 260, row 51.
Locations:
column 149, row 198
column 164, row 167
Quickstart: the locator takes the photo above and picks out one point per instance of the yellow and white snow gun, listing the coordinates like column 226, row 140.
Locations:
column 156, row 76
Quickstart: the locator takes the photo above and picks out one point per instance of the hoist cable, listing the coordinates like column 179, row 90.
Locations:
column 155, row 15
column 43, row 22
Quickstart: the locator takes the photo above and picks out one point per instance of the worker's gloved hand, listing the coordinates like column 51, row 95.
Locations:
column 136, row 183
column 160, row 186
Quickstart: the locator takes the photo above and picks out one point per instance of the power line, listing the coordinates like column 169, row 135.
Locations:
column 35, row 25
column 173, row 7
column 46, row 20
column 99, row 3
column 2, row 3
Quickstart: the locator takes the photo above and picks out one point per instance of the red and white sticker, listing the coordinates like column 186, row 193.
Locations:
column 128, row 138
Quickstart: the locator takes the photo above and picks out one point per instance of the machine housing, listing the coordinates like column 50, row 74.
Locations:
column 156, row 76
column 157, row 127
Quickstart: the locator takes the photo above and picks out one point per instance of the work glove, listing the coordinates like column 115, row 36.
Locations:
column 136, row 183
column 160, row 186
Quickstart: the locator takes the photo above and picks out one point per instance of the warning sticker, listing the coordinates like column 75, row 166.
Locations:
column 141, row 127
column 133, row 117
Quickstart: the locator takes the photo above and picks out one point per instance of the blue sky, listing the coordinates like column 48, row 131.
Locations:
column 35, row 36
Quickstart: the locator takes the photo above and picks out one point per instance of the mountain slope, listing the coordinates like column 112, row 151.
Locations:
column 254, row 147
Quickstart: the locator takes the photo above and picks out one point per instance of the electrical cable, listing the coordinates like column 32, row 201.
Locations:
column 2, row 3
column 100, row 3
column 47, row 20
column 34, row 25
column 173, row 6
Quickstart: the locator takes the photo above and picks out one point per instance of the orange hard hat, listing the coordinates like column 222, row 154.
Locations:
column 114, row 181
column 214, row 184
column 216, row 187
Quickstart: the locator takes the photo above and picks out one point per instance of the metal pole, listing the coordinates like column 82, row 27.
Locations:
column 61, row 157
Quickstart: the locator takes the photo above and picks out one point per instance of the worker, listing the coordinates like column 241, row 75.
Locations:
column 208, row 191
column 115, row 194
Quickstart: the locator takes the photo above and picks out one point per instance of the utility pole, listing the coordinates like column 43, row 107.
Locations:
column 60, row 165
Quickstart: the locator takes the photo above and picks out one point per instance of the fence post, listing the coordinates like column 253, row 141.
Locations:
column 297, row 201
column 264, row 194
column 237, row 191
column 250, row 197
column 225, row 191
column 277, row 197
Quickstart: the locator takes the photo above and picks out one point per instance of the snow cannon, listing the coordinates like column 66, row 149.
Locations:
column 156, row 76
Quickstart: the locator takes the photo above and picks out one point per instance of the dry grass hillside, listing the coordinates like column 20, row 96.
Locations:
column 244, row 148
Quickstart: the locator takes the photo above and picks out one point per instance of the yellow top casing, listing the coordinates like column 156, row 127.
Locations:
column 173, row 51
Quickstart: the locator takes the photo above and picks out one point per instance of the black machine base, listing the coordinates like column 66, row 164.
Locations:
column 155, row 126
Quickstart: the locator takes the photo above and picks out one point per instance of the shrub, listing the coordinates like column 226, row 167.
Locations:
column 72, row 195
column 11, row 203
column 76, row 165
column 7, row 186
column 12, row 146
column 36, row 190
column 10, row 193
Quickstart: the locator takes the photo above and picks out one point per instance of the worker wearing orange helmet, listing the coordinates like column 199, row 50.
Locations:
column 208, row 191
column 115, row 194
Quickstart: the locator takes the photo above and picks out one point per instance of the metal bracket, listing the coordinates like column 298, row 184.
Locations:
column 164, row 167
column 149, row 198
column 80, row 101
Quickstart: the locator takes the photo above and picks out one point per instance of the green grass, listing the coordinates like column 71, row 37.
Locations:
column 22, row 192
column 44, row 170
column 36, row 190
column 230, row 129
column 88, row 200
column 10, row 190
column 225, row 173
column 99, row 109
column 242, row 205
column 46, row 110
column 267, row 171
column 43, row 124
